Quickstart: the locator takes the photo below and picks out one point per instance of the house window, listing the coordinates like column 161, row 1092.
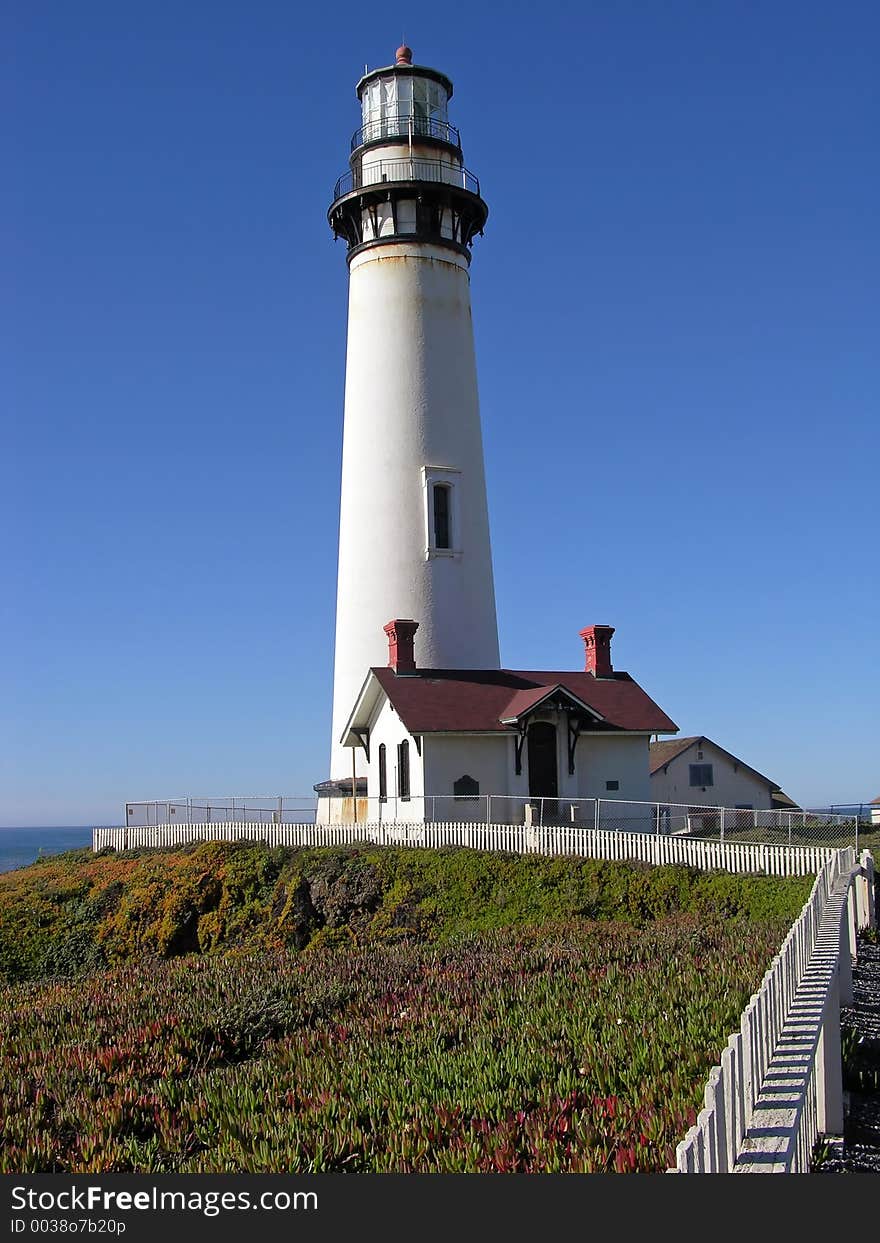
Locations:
column 701, row 775
column 465, row 788
column 442, row 530
column 612, row 785
column 383, row 774
column 403, row 770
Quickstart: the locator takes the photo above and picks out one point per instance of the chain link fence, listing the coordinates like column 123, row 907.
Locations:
column 791, row 827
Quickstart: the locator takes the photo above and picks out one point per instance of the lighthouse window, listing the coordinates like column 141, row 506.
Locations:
column 406, row 90
column 442, row 517
column 420, row 97
column 403, row 769
column 389, row 96
column 442, row 531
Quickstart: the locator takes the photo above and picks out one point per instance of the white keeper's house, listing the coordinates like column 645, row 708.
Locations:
column 455, row 735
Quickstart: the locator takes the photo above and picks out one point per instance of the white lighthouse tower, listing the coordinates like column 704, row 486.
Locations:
column 414, row 525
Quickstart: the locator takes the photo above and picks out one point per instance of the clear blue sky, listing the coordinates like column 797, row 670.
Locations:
column 677, row 330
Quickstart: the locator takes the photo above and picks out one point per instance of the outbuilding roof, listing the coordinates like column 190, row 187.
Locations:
column 662, row 753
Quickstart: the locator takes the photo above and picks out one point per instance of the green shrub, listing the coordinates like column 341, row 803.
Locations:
column 73, row 913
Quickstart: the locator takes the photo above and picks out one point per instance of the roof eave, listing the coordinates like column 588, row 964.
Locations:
column 364, row 708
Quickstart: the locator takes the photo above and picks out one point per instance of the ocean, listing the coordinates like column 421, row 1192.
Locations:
column 19, row 847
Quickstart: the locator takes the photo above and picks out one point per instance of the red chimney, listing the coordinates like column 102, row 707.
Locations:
column 401, row 634
column 597, row 641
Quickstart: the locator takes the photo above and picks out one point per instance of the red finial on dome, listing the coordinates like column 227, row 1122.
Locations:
column 403, row 55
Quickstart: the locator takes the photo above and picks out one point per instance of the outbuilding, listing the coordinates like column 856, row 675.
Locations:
column 699, row 772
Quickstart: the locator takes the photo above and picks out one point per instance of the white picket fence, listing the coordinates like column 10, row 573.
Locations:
column 779, row 1086
column 512, row 838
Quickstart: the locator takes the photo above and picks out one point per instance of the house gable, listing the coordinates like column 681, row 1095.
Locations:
column 699, row 771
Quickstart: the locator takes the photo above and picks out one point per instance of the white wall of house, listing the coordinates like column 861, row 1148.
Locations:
column 487, row 759
column 598, row 758
column 732, row 784
column 623, row 758
column 490, row 760
column 388, row 728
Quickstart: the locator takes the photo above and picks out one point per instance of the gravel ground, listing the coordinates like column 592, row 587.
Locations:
column 860, row 1029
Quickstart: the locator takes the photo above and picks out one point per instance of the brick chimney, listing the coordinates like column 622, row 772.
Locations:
column 401, row 635
column 597, row 641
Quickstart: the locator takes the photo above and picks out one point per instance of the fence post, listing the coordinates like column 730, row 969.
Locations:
column 596, row 815
column 541, row 821
column 845, row 988
column 722, row 824
column 867, row 880
column 852, row 918
column 829, row 1066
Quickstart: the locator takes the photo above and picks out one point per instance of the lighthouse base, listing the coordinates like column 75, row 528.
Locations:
column 336, row 805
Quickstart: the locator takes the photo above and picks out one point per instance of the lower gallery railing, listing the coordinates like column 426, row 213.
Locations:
column 779, row 1087
column 513, row 838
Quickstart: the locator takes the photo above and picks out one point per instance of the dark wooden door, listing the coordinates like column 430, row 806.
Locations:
column 543, row 775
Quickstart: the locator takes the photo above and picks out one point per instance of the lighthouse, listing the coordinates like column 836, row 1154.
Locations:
column 414, row 523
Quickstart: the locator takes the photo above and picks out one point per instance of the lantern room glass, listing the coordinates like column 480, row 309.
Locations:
column 393, row 105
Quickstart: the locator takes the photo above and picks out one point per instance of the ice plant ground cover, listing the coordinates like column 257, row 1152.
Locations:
column 572, row 1049
column 80, row 912
column 234, row 1008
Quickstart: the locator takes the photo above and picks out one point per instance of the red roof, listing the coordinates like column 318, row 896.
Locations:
column 432, row 701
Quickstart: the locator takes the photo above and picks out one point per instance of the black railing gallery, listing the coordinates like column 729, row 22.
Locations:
column 374, row 172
